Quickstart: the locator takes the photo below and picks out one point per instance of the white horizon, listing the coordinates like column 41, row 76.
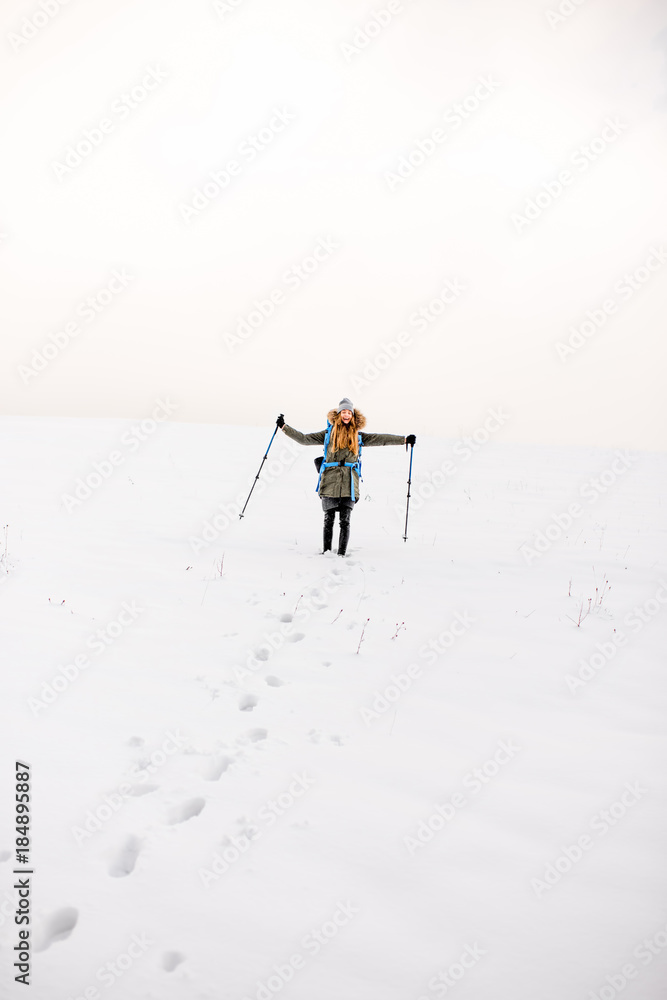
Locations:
column 253, row 211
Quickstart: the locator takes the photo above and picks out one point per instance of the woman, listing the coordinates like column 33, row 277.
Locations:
column 339, row 476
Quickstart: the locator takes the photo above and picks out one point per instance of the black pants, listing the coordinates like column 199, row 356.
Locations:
column 344, row 506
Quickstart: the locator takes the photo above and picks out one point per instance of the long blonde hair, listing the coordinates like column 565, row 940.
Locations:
column 343, row 436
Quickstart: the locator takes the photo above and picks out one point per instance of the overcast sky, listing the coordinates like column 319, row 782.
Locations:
column 435, row 208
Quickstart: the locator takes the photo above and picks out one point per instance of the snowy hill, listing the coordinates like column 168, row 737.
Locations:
column 429, row 768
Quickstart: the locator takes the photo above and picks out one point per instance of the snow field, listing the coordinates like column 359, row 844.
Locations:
column 298, row 775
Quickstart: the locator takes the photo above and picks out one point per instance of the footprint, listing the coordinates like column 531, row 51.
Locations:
column 301, row 824
column 246, row 829
column 124, row 862
column 144, row 789
column 186, row 810
column 171, row 960
column 272, row 681
column 315, row 735
column 5, row 855
column 248, row 702
column 255, row 735
column 296, row 637
column 262, row 653
column 136, row 741
column 217, row 767
column 58, row 927
column 287, row 617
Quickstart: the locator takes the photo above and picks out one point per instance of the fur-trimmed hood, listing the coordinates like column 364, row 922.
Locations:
column 359, row 418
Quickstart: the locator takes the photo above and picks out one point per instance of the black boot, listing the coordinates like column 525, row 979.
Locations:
column 344, row 535
column 328, row 529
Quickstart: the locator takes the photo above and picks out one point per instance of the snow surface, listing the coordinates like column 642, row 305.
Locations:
column 180, row 740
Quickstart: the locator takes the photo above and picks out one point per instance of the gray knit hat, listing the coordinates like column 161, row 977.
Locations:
column 345, row 404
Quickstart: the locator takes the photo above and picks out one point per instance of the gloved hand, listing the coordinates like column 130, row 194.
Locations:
column 410, row 439
column 280, row 421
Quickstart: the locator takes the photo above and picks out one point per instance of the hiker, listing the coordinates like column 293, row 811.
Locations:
column 338, row 484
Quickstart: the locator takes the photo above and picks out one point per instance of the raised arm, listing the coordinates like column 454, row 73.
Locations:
column 373, row 440
column 317, row 437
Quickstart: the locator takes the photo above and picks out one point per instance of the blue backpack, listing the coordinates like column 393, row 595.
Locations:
column 321, row 463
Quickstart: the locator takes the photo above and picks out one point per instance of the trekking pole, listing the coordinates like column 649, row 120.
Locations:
column 260, row 467
column 407, row 508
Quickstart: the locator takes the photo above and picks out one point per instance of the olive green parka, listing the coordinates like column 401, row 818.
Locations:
column 335, row 482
